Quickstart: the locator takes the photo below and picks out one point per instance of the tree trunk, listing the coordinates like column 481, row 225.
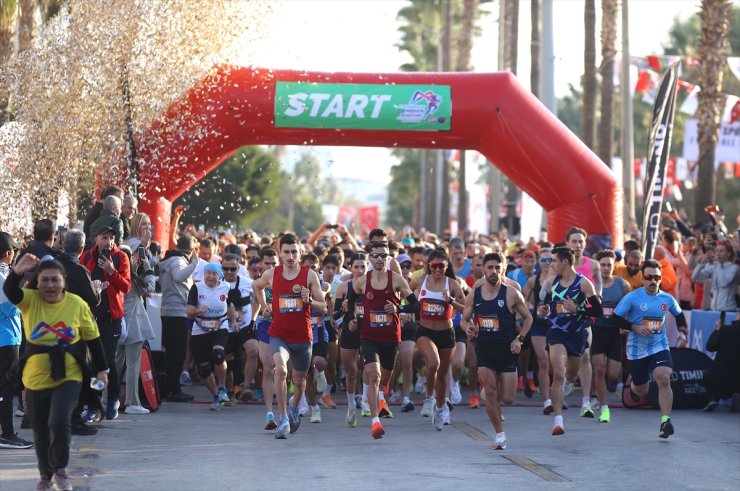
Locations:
column 447, row 23
column 7, row 23
column 534, row 71
column 588, row 114
column 27, row 12
column 464, row 52
column 608, row 54
column 512, row 35
column 715, row 16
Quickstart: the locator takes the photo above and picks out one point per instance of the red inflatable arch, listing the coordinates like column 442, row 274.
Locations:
column 490, row 113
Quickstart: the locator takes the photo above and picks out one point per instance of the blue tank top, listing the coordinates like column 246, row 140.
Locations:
column 496, row 323
column 562, row 320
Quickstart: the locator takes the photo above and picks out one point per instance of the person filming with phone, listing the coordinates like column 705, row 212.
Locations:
column 111, row 266
column 718, row 266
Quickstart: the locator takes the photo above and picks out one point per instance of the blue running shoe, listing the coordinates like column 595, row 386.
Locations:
column 294, row 418
column 185, row 379
column 283, row 429
column 223, row 396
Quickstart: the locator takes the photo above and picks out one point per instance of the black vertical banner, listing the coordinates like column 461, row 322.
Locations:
column 659, row 147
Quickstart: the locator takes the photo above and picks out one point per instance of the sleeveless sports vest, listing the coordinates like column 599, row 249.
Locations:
column 291, row 317
column 433, row 305
column 496, row 323
column 377, row 324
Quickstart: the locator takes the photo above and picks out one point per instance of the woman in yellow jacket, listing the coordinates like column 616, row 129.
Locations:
column 54, row 324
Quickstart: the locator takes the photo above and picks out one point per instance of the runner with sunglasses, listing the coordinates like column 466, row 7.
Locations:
column 439, row 293
column 642, row 312
column 540, row 326
column 380, row 332
column 570, row 300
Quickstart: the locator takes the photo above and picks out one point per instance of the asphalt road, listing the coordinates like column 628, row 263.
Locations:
column 188, row 447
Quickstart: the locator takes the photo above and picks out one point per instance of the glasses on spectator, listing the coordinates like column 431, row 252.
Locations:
column 651, row 277
column 379, row 255
column 437, row 265
column 545, row 260
column 406, row 265
column 229, row 269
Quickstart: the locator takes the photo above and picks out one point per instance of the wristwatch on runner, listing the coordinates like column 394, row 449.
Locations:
column 520, row 338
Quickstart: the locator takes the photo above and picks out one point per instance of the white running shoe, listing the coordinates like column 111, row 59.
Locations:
column 568, row 389
column 395, row 396
column 595, row 404
column 429, row 403
column 351, row 418
column 482, row 394
column 320, row 381
column 438, row 417
column 136, row 410
column 365, row 409
column 455, row 395
column 303, row 407
column 446, row 414
column 421, row 383
column 500, row 442
column 316, row 415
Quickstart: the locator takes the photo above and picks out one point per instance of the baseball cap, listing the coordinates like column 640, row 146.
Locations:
column 101, row 229
column 403, row 258
column 7, row 243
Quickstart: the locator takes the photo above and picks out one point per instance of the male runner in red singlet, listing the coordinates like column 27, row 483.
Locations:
column 296, row 290
column 380, row 332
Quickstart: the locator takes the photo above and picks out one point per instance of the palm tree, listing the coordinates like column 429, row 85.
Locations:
column 534, row 46
column 608, row 54
column 588, row 114
column 464, row 51
column 715, row 20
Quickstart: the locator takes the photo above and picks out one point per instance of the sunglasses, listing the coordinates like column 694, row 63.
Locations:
column 406, row 266
column 651, row 277
column 546, row 260
column 230, row 269
column 379, row 255
column 437, row 266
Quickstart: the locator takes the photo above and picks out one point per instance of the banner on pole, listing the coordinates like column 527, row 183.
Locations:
column 659, row 147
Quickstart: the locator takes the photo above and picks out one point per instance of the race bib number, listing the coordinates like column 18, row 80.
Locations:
column 380, row 318
column 560, row 309
column 433, row 308
column 608, row 312
column 359, row 311
column 488, row 323
column 655, row 324
column 210, row 324
column 290, row 303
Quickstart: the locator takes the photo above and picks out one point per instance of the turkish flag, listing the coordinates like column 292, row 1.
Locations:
column 654, row 62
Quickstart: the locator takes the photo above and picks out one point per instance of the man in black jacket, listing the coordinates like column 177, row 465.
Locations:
column 723, row 376
column 94, row 212
column 43, row 238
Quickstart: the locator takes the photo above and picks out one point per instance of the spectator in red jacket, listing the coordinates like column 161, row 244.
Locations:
column 108, row 264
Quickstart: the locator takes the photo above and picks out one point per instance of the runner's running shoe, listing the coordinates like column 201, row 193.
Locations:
column 316, row 415
column 587, row 412
column 407, row 407
column 383, row 410
column 666, row 429
column 351, row 418
column 223, row 396
column 377, row 430
column 455, row 395
column 558, row 430
column 605, row 416
column 365, row 409
column 438, row 418
column 283, row 429
column 327, row 401
column 500, row 442
column 547, row 407
column 270, row 421
column 426, row 409
column 474, row 402
column 294, row 416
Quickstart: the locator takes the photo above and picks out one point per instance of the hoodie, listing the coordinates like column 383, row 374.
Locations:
column 175, row 272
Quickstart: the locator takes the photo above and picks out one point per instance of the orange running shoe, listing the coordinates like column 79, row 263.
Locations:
column 474, row 403
column 377, row 430
column 327, row 401
column 383, row 410
column 532, row 386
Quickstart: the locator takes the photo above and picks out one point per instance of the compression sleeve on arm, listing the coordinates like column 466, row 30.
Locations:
column 412, row 305
column 593, row 308
column 622, row 323
column 681, row 322
column 351, row 299
column 547, row 300
column 12, row 288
